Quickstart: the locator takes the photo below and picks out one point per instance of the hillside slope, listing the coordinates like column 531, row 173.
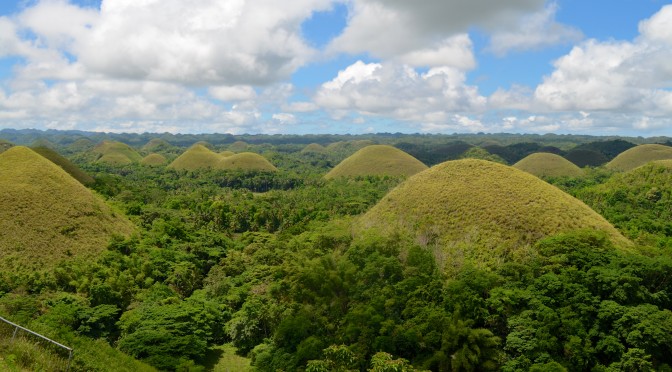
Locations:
column 48, row 216
column 377, row 160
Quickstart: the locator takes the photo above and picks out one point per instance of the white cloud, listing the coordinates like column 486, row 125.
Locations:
column 626, row 77
column 534, row 30
column 238, row 42
column 455, row 51
column 301, row 106
column 392, row 28
column 400, row 92
column 232, row 93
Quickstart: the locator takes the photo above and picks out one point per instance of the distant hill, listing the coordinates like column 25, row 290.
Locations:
column 314, row 148
column 246, row 161
column 586, row 158
column 480, row 153
column 157, row 145
column 238, row 146
column 196, row 157
column 481, row 212
column 154, row 159
column 116, row 153
column 517, row 151
column 638, row 156
column 47, row 216
column 545, row 164
column 610, row 149
column 66, row 164
column 82, row 144
column 377, row 160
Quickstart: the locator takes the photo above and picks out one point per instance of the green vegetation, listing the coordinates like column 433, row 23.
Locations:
column 226, row 153
column 640, row 155
column 480, row 153
column 156, row 145
column 154, row 159
column 377, row 160
column 467, row 266
column 116, row 153
column 246, row 161
column 196, row 157
column 66, row 164
column 586, row 158
column 4, row 145
column 47, row 216
column 544, row 164
column 480, row 212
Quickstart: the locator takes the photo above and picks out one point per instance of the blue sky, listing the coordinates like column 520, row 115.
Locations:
column 338, row 66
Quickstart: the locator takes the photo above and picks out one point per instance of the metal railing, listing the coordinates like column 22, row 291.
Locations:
column 17, row 327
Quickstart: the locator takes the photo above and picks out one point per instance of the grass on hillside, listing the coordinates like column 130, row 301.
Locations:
column 246, row 161
column 154, row 160
column 47, row 216
column 481, row 212
column 196, row 157
column 314, row 147
column 116, row 153
column 230, row 362
column 640, row 155
column 66, row 164
column 548, row 165
column 238, row 146
column 226, row 153
column 377, row 160
column 156, row 144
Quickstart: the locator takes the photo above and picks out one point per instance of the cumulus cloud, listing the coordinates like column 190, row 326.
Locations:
column 232, row 93
column 253, row 42
column 534, row 30
column 400, row 92
column 392, row 28
column 615, row 76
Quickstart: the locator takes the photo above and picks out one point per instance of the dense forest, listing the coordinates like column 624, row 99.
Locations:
column 277, row 270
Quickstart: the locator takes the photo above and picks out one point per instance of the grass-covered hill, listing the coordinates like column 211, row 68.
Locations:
column 481, row 212
column 154, row 159
column 314, row 148
column 66, row 164
column 47, row 216
column 245, row 161
column 116, row 153
column 638, row 156
column 377, row 160
column 81, row 144
column 238, row 146
column 610, row 148
column 544, row 164
column 157, row 145
column 226, row 153
column 196, row 157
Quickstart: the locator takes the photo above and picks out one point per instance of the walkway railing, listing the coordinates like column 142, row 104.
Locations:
column 17, row 327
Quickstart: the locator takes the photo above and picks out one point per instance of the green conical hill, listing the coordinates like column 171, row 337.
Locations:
column 66, row 164
column 82, row 144
column 481, row 212
column 246, row 161
column 544, row 164
column 154, row 159
column 196, row 157
column 47, row 216
column 42, row 142
column 638, row 156
column 116, row 153
column 314, row 148
column 377, row 160
column 156, row 144
column 238, row 146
